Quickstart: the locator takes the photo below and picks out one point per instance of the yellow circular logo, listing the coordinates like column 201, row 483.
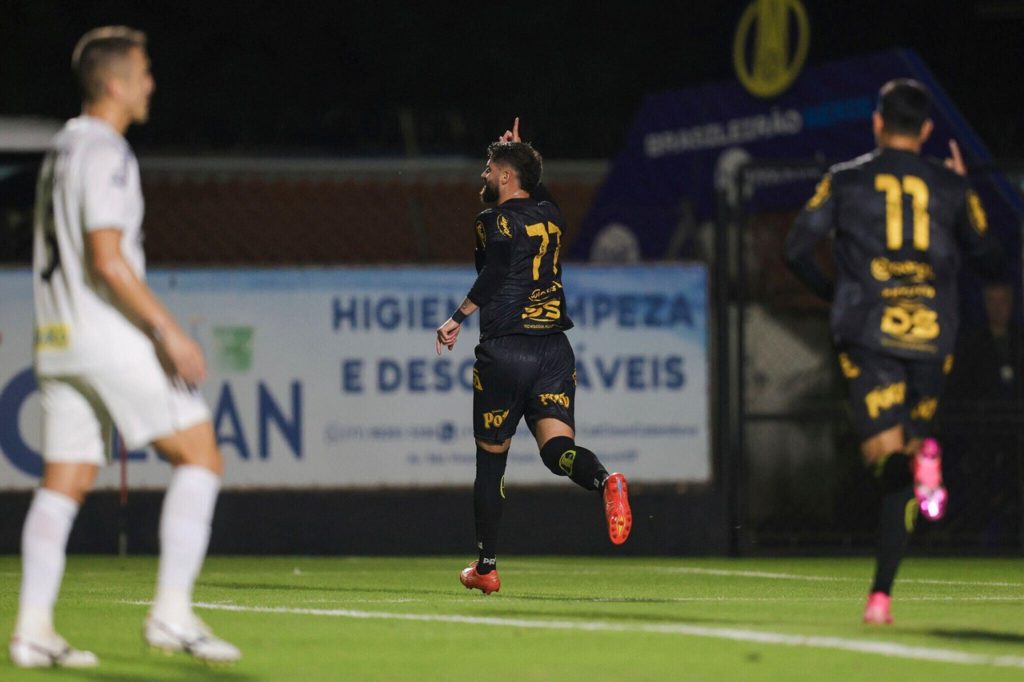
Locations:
column 775, row 58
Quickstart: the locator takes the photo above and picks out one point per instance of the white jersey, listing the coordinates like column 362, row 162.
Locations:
column 89, row 180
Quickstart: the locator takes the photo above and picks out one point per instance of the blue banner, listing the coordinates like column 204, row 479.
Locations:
column 684, row 145
column 329, row 377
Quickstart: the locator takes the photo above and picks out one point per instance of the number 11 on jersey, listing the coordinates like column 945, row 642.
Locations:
column 894, row 190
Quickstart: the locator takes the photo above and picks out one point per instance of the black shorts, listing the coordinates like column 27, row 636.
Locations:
column 886, row 391
column 520, row 375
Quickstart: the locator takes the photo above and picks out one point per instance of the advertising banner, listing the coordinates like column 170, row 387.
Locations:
column 685, row 148
column 329, row 378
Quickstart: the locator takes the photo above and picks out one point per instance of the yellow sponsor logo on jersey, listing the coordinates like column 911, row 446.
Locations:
column 538, row 295
column 548, row 310
column 776, row 58
column 925, row 409
column 566, row 461
column 910, row 323
column 976, row 214
column 913, row 291
column 947, row 364
column 52, row 337
column 481, row 233
column 495, row 418
column 476, row 380
column 850, row 370
column 554, row 398
column 885, row 397
column 503, row 226
column 883, row 269
column 821, row 193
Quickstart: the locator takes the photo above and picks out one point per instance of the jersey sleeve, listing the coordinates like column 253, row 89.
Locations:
column 491, row 227
column 106, row 195
column 495, row 227
column 813, row 224
column 980, row 246
column 493, row 255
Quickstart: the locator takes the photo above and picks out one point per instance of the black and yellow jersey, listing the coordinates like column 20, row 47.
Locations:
column 519, row 280
column 900, row 225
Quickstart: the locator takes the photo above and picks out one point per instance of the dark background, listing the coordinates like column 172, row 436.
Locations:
column 384, row 79
column 381, row 78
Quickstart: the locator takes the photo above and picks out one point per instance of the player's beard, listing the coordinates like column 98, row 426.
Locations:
column 488, row 194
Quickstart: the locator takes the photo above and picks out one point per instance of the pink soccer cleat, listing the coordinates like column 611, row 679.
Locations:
column 877, row 612
column 928, row 489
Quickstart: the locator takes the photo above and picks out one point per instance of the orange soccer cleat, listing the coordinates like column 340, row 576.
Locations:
column 616, row 508
column 485, row 582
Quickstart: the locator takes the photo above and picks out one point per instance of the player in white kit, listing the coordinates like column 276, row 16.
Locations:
column 108, row 352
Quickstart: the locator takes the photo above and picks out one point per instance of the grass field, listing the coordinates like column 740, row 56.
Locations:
column 300, row 618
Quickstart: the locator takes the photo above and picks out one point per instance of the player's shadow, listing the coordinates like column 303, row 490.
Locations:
column 181, row 669
column 496, row 601
column 618, row 615
column 312, row 588
column 978, row 635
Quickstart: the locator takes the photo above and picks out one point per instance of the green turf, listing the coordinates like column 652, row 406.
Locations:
column 946, row 606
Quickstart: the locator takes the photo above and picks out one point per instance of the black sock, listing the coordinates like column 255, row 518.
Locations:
column 488, row 493
column 895, row 524
column 587, row 470
column 564, row 457
column 893, row 472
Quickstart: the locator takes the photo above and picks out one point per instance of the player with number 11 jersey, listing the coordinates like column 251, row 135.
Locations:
column 901, row 222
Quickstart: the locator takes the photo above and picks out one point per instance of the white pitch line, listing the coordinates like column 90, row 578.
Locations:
column 679, row 600
column 723, row 572
column 658, row 600
column 967, row 583
column 890, row 649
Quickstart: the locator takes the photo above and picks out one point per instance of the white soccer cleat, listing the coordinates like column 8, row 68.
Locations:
column 194, row 638
column 49, row 651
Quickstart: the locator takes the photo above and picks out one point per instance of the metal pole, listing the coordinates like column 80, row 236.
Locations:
column 723, row 353
column 122, row 508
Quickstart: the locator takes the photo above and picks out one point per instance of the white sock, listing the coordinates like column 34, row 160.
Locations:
column 44, row 540
column 184, row 535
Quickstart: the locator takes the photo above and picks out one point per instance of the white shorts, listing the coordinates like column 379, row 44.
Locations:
column 140, row 399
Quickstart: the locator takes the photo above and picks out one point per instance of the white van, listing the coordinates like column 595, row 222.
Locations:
column 23, row 141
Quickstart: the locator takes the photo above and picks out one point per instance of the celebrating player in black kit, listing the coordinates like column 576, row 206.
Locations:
column 900, row 224
column 524, row 363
